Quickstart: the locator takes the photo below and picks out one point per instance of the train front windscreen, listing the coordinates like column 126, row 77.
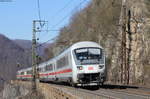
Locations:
column 85, row 56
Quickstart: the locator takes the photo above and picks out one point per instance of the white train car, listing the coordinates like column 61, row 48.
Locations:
column 25, row 74
column 80, row 65
column 47, row 71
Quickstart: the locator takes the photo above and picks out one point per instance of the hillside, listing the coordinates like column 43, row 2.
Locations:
column 25, row 44
column 100, row 22
column 10, row 55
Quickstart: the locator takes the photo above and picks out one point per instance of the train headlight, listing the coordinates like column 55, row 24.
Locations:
column 101, row 66
column 80, row 68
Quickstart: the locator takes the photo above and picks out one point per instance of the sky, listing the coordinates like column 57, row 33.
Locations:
column 16, row 17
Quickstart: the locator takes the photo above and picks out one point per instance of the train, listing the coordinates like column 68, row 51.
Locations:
column 82, row 64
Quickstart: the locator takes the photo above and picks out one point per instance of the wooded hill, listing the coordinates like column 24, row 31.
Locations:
column 12, row 54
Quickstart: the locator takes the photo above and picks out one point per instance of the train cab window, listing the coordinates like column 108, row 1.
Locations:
column 85, row 56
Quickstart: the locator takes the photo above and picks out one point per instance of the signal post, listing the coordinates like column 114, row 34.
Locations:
column 37, row 27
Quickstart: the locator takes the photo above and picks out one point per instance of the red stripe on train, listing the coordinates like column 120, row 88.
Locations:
column 63, row 71
column 53, row 73
column 24, row 75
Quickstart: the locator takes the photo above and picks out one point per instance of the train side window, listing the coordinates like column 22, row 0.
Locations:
column 29, row 72
column 63, row 62
column 22, row 73
column 43, row 69
column 18, row 73
column 49, row 67
column 39, row 69
column 67, row 60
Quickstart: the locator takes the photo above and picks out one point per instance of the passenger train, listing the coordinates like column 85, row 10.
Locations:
column 83, row 64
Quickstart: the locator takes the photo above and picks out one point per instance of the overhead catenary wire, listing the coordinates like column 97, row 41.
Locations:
column 49, row 39
column 66, row 16
column 57, row 13
column 28, row 51
column 39, row 15
column 41, row 22
column 79, row 5
column 39, row 12
column 46, row 42
column 64, row 7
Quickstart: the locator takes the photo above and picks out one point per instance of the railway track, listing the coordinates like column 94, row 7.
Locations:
column 125, row 94
column 106, row 93
column 84, row 93
column 136, row 92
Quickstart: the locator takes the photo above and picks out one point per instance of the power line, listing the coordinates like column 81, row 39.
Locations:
column 79, row 5
column 59, row 11
column 68, row 14
column 63, row 8
column 39, row 11
column 42, row 44
column 46, row 32
column 46, row 42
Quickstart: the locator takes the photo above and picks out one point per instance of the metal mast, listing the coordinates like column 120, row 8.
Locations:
column 34, row 63
column 37, row 27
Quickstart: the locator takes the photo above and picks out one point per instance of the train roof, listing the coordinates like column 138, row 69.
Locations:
column 25, row 69
column 85, row 44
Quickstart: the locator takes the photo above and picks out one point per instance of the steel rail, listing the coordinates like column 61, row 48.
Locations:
column 86, row 91
column 128, row 93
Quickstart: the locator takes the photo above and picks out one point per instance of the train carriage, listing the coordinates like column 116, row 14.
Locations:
column 82, row 64
column 25, row 74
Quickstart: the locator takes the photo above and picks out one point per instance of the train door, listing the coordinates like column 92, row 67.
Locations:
column 55, row 68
